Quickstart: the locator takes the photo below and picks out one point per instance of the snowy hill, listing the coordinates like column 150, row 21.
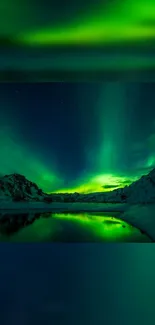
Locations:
column 140, row 191
column 17, row 188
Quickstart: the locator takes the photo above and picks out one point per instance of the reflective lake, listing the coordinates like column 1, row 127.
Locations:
column 67, row 227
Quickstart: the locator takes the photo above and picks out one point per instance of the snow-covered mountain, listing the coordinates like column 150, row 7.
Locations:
column 17, row 188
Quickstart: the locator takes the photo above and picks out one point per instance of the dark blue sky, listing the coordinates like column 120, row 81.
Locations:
column 64, row 135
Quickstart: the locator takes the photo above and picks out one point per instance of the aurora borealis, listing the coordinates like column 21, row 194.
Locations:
column 102, row 23
column 78, row 23
column 83, row 137
column 57, row 40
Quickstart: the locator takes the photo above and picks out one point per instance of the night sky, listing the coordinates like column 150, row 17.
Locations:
column 83, row 137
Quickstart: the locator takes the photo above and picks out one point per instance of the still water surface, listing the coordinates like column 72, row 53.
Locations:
column 67, row 227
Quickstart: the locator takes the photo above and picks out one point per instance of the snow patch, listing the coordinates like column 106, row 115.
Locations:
column 142, row 217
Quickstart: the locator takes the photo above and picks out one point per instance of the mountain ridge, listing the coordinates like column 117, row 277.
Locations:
column 17, row 187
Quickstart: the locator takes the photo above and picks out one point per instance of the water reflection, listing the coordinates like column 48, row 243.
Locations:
column 67, row 227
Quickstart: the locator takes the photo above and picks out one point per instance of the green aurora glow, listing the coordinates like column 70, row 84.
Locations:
column 80, row 37
column 123, row 21
column 17, row 155
column 22, row 160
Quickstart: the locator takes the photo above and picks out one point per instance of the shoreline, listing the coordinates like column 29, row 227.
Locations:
column 67, row 207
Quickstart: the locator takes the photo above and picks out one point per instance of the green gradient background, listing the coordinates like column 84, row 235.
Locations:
column 112, row 284
column 96, row 284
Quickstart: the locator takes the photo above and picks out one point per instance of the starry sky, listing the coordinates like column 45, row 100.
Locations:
column 83, row 137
